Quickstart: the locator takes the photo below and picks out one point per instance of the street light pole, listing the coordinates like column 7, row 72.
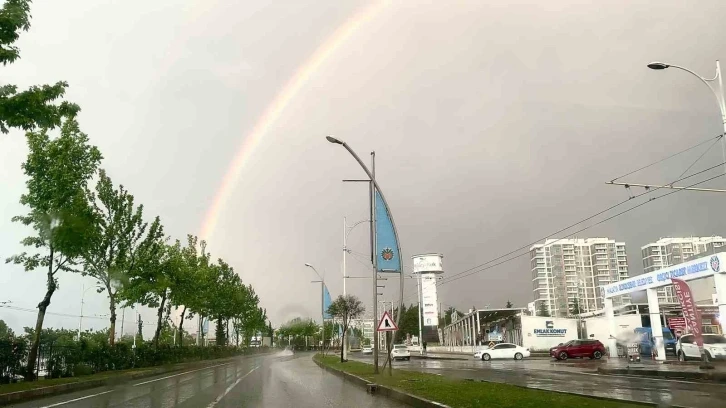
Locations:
column 375, row 188
column 420, row 312
column 346, row 231
column 322, row 305
column 80, row 321
column 719, row 94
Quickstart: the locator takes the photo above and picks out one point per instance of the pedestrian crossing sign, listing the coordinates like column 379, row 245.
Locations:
column 386, row 323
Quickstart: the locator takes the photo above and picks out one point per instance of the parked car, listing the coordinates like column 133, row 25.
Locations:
column 367, row 350
column 578, row 348
column 503, row 351
column 400, row 352
column 647, row 341
column 714, row 345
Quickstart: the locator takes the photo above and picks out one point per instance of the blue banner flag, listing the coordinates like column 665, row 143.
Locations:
column 387, row 257
column 326, row 303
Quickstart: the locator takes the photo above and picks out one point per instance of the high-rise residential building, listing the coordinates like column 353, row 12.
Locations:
column 570, row 272
column 671, row 251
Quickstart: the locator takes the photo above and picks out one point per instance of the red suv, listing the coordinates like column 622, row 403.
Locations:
column 578, row 348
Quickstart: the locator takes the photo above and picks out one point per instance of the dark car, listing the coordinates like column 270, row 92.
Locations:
column 578, row 348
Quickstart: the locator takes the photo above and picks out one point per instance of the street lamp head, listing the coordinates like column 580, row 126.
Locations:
column 658, row 65
column 331, row 139
column 308, row 265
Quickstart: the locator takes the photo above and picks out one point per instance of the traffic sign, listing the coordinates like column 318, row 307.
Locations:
column 386, row 323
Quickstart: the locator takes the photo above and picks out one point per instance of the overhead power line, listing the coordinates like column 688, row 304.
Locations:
column 669, row 157
column 527, row 246
column 461, row 276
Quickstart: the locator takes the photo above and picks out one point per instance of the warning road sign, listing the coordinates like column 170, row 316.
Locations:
column 386, row 323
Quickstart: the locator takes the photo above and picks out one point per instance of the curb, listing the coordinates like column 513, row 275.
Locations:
column 53, row 390
column 392, row 393
column 680, row 375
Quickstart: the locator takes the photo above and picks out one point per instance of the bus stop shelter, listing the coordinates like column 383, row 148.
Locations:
column 711, row 265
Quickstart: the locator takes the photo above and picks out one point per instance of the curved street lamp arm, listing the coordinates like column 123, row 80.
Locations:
column 350, row 229
column 707, row 81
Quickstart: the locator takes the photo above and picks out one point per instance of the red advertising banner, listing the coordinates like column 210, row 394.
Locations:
column 690, row 313
column 677, row 325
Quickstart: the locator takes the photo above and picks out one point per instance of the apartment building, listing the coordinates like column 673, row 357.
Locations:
column 671, row 251
column 569, row 272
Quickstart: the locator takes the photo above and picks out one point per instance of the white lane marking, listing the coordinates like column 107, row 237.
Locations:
column 224, row 394
column 76, row 399
column 176, row 375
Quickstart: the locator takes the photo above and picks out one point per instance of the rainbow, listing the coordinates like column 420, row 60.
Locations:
column 277, row 106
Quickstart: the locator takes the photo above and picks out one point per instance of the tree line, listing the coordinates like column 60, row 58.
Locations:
column 85, row 223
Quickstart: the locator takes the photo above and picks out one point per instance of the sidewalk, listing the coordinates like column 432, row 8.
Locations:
column 667, row 369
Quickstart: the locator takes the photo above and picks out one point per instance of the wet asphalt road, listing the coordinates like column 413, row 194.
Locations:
column 280, row 380
column 576, row 376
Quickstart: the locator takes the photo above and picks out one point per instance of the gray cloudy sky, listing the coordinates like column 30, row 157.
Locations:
column 495, row 123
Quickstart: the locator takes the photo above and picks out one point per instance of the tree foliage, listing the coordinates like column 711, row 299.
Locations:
column 123, row 243
column 346, row 308
column 543, row 310
column 408, row 323
column 58, row 171
column 575, row 309
column 34, row 107
column 5, row 331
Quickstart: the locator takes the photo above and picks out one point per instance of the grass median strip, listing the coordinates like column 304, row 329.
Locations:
column 461, row 393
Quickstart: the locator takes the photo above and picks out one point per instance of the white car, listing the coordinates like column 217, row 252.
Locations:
column 400, row 352
column 714, row 345
column 503, row 350
column 366, row 350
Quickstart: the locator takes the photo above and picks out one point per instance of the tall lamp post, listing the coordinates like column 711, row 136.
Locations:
column 718, row 93
column 346, row 231
column 322, row 304
column 375, row 188
column 80, row 322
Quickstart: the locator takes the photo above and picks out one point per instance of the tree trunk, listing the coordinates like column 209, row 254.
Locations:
column 227, row 337
column 112, row 309
column 342, row 344
column 181, row 325
column 159, row 318
column 42, row 307
column 219, row 332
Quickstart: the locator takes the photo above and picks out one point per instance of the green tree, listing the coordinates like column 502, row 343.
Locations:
column 58, row 172
column 408, row 324
column 121, row 243
column 185, row 291
column 5, row 331
column 509, row 305
column 150, row 283
column 346, row 308
column 446, row 320
column 35, row 106
column 543, row 310
column 575, row 309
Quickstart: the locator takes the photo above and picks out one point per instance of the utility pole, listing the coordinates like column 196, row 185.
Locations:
column 372, row 198
column 123, row 314
column 420, row 313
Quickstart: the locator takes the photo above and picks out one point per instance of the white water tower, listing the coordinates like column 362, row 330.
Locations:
column 429, row 267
